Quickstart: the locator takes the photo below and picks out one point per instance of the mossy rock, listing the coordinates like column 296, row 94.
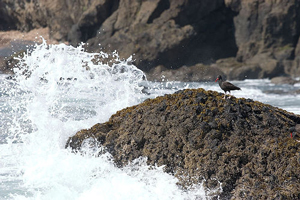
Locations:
column 198, row 135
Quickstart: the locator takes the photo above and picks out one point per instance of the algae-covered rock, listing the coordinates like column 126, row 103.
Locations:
column 240, row 143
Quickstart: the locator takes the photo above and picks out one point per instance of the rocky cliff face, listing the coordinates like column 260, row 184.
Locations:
column 197, row 135
column 262, row 35
column 267, row 34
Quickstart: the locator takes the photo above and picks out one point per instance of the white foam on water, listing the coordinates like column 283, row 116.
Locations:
column 57, row 91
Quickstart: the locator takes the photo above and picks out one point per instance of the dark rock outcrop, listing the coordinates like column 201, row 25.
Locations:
column 197, row 135
column 169, row 33
column 23, row 15
column 159, row 32
column 263, row 36
column 267, row 28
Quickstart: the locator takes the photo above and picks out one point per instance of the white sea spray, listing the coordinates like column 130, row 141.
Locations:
column 56, row 91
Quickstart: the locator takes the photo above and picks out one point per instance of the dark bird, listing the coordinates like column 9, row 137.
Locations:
column 295, row 132
column 226, row 86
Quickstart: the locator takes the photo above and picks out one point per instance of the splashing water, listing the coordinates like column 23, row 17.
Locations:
column 58, row 90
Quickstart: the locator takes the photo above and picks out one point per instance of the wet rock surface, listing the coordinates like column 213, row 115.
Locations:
column 242, row 144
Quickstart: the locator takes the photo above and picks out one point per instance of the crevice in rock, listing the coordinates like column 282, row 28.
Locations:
column 213, row 39
column 161, row 7
column 296, row 39
column 6, row 21
column 103, row 12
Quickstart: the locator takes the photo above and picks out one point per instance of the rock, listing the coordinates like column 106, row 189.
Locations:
column 270, row 67
column 172, row 34
column 293, row 92
column 159, row 32
column 227, row 64
column 246, row 72
column 262, row 35
column 262, row 26
column 197, row 135
column 156, row 73
column 3, row 66
column 90, row 19
column 8, row 63
column 295, row 69
column 267, row 27
column 283, row 80
column 22, row 15
column 196, row 73
column 258, row 67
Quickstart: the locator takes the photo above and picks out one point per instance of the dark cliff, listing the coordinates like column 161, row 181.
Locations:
column 262, row 36
column 197, row 135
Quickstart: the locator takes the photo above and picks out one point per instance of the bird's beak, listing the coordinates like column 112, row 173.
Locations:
column 217, row 79
column 291, row 135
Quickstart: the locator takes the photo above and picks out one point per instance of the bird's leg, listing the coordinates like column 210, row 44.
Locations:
column 224, row 95
column 229, row 95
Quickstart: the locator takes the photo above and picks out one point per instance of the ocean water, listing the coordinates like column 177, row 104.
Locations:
column 58, row 90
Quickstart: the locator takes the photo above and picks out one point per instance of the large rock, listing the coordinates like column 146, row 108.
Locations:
column 22, row 15
column 195, row 73
column 284, row 80
column 267, row 27
column 240, row 143
column 169, row 33
column 173, row 33
column 258, row 67
column 60, row 16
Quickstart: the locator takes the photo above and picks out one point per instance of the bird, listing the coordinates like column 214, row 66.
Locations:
column 295, row 132
column 226, row 86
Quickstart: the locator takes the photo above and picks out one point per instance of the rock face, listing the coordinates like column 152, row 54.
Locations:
column 261, row 35
column 197, row 135
column 267, row 36
column 195, row 73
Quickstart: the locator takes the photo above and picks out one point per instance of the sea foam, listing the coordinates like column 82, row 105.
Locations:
column 58, row 90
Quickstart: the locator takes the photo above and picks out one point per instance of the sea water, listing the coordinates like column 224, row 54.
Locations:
column 58, row 90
